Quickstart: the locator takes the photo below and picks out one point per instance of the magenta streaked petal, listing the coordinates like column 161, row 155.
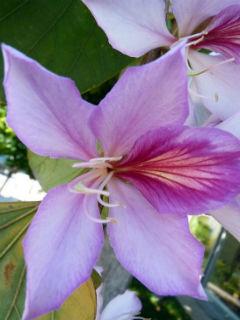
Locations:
column 218, row 85
column 189, row 172
column 157, row 249
column 61, row 247
column 132, row 28
column 193, row 13
column 141, row 101
column 229, row 217
column 224, row 33
column 46, row 111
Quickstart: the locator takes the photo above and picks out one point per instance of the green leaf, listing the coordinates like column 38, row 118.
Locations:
column 63, row 36
column 52, row 172
column 15, row 218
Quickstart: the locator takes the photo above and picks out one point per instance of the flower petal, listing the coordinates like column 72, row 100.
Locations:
column 232, row 125
column 218, row 85
column 141, row 100
column 133, row 28
column 126, row 304
column 192, row 171
column 157, row 249
column 229, row 217
column 223, row 33
column 190, row 15
column 198, row 114
column 46, row 111
column 61, row 248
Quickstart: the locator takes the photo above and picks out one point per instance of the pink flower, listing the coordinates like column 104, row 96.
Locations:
column 135, row 27
column 153, row 170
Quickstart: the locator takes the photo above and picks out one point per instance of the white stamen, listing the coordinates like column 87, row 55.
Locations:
column 101, row 187
column 92, row 165
column 193, row 43
column 198, row 95
column 100, row 166
column 97, row 163
column 81, row 188
column 107, row 204
column 185, row 39
column 98, row 220
column 106, row 159
column 200, row 34
column 197, row 73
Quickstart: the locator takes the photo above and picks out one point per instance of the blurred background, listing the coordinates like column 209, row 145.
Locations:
column 63, row 36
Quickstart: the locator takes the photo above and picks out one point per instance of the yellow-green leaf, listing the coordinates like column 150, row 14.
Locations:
column 52, row 172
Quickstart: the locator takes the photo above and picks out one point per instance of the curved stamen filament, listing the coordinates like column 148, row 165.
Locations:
column 97, row 163
column 195, row 42
column 81, row 188
column 200, row 34
column 106, row 159
column 92, row 165
column 193, row 36
column 98, row 220
column 198, row 95
column 198, row 73
column 101, row 187
column 100, row 166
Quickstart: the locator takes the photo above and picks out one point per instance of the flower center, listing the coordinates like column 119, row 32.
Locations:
column 103, row 171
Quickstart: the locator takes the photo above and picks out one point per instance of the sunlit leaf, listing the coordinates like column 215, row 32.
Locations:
column 52, row 172
column 81, row 305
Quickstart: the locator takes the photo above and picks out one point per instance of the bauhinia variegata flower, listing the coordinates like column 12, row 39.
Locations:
column 148, row 169
column 136, row 27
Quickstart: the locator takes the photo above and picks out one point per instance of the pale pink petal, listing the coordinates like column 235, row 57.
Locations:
column 133, row 27
column 223, row 33
column 122, row 306
column 61, row 247
column 231, row 125
column 191, row 13
column 157, row 249
column 192, row 170
column 218, row 85
column 229, row 217
column 198, row 114
column 145, row 97
column 46, row 111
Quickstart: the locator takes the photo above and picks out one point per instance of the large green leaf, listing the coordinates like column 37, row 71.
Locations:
column 14, row 220
column 63, row 36
column 52, row 172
